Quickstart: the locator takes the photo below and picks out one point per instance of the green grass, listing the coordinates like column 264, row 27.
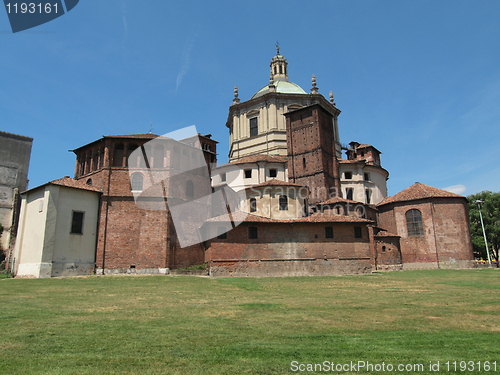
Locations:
column 192, row 325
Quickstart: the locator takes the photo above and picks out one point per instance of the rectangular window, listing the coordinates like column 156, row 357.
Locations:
column 254, row 128
column 367, row 177
column 252, row 233
column 283, row 203
column 222, row 177
column 248, row 173
column 357, row 232
column 349, row 193
column 77, row 223
column 348, row 175
column 273, row 173
column 328, row 232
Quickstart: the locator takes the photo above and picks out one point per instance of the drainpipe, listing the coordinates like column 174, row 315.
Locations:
column 434, row 230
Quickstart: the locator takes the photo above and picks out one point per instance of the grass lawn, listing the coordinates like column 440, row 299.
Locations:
column 192, row 325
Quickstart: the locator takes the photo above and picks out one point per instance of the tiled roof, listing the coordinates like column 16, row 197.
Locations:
column 384, row 233
column 257, row 158
column 418, row 191
column 329, row 218
column 275, row 182
column 316, row 218
column 72, row 183
column 67, row 182
column 128, row 136
column 361, row 145
column 337, row 200
column 344, row 161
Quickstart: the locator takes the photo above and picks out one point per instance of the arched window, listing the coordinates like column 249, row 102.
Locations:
column 89, row 182
column 253, row 205
column 414, row 223
column 283, row 201
column 137, row 182
column 189, row 189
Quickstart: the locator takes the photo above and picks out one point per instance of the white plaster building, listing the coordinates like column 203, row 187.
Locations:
column 57, row 232
column 362, row 178
column 258, row 126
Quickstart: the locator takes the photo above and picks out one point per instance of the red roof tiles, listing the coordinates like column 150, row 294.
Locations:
column 337, row 200
column 316, row 218
column 72, row 183
column 384, row 233
column 418, row 191
column 67, row 182
column 275, row 182
column 257, row 158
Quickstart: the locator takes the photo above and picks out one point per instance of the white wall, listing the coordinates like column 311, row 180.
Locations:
column 44, row 246
column 377, row 182
column 74, row 254
column 235, row 174
column 31, row 234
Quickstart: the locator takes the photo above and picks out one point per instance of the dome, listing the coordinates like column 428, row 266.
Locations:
column 283, row 87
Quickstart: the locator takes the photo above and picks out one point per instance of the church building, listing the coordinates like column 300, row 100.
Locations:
column 292, row 205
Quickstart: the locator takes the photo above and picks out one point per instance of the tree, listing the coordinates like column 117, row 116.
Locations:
column 491, row 218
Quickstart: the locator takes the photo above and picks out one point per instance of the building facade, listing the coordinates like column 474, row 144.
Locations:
column 57, row 230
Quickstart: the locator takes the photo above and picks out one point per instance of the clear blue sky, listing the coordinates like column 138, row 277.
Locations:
column 420, row 80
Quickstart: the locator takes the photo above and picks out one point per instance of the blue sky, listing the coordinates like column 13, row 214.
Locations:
column 420, row 80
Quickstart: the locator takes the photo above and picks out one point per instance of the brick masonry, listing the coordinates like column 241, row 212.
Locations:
column 284, row 249
column 312, row 159
column 140, row 238
column 446, row 235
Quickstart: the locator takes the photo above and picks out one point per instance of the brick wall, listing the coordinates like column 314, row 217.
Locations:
column 310, row 144
column 138, row 237
column 290, row 249
column 446, row 234
column 388, row 253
